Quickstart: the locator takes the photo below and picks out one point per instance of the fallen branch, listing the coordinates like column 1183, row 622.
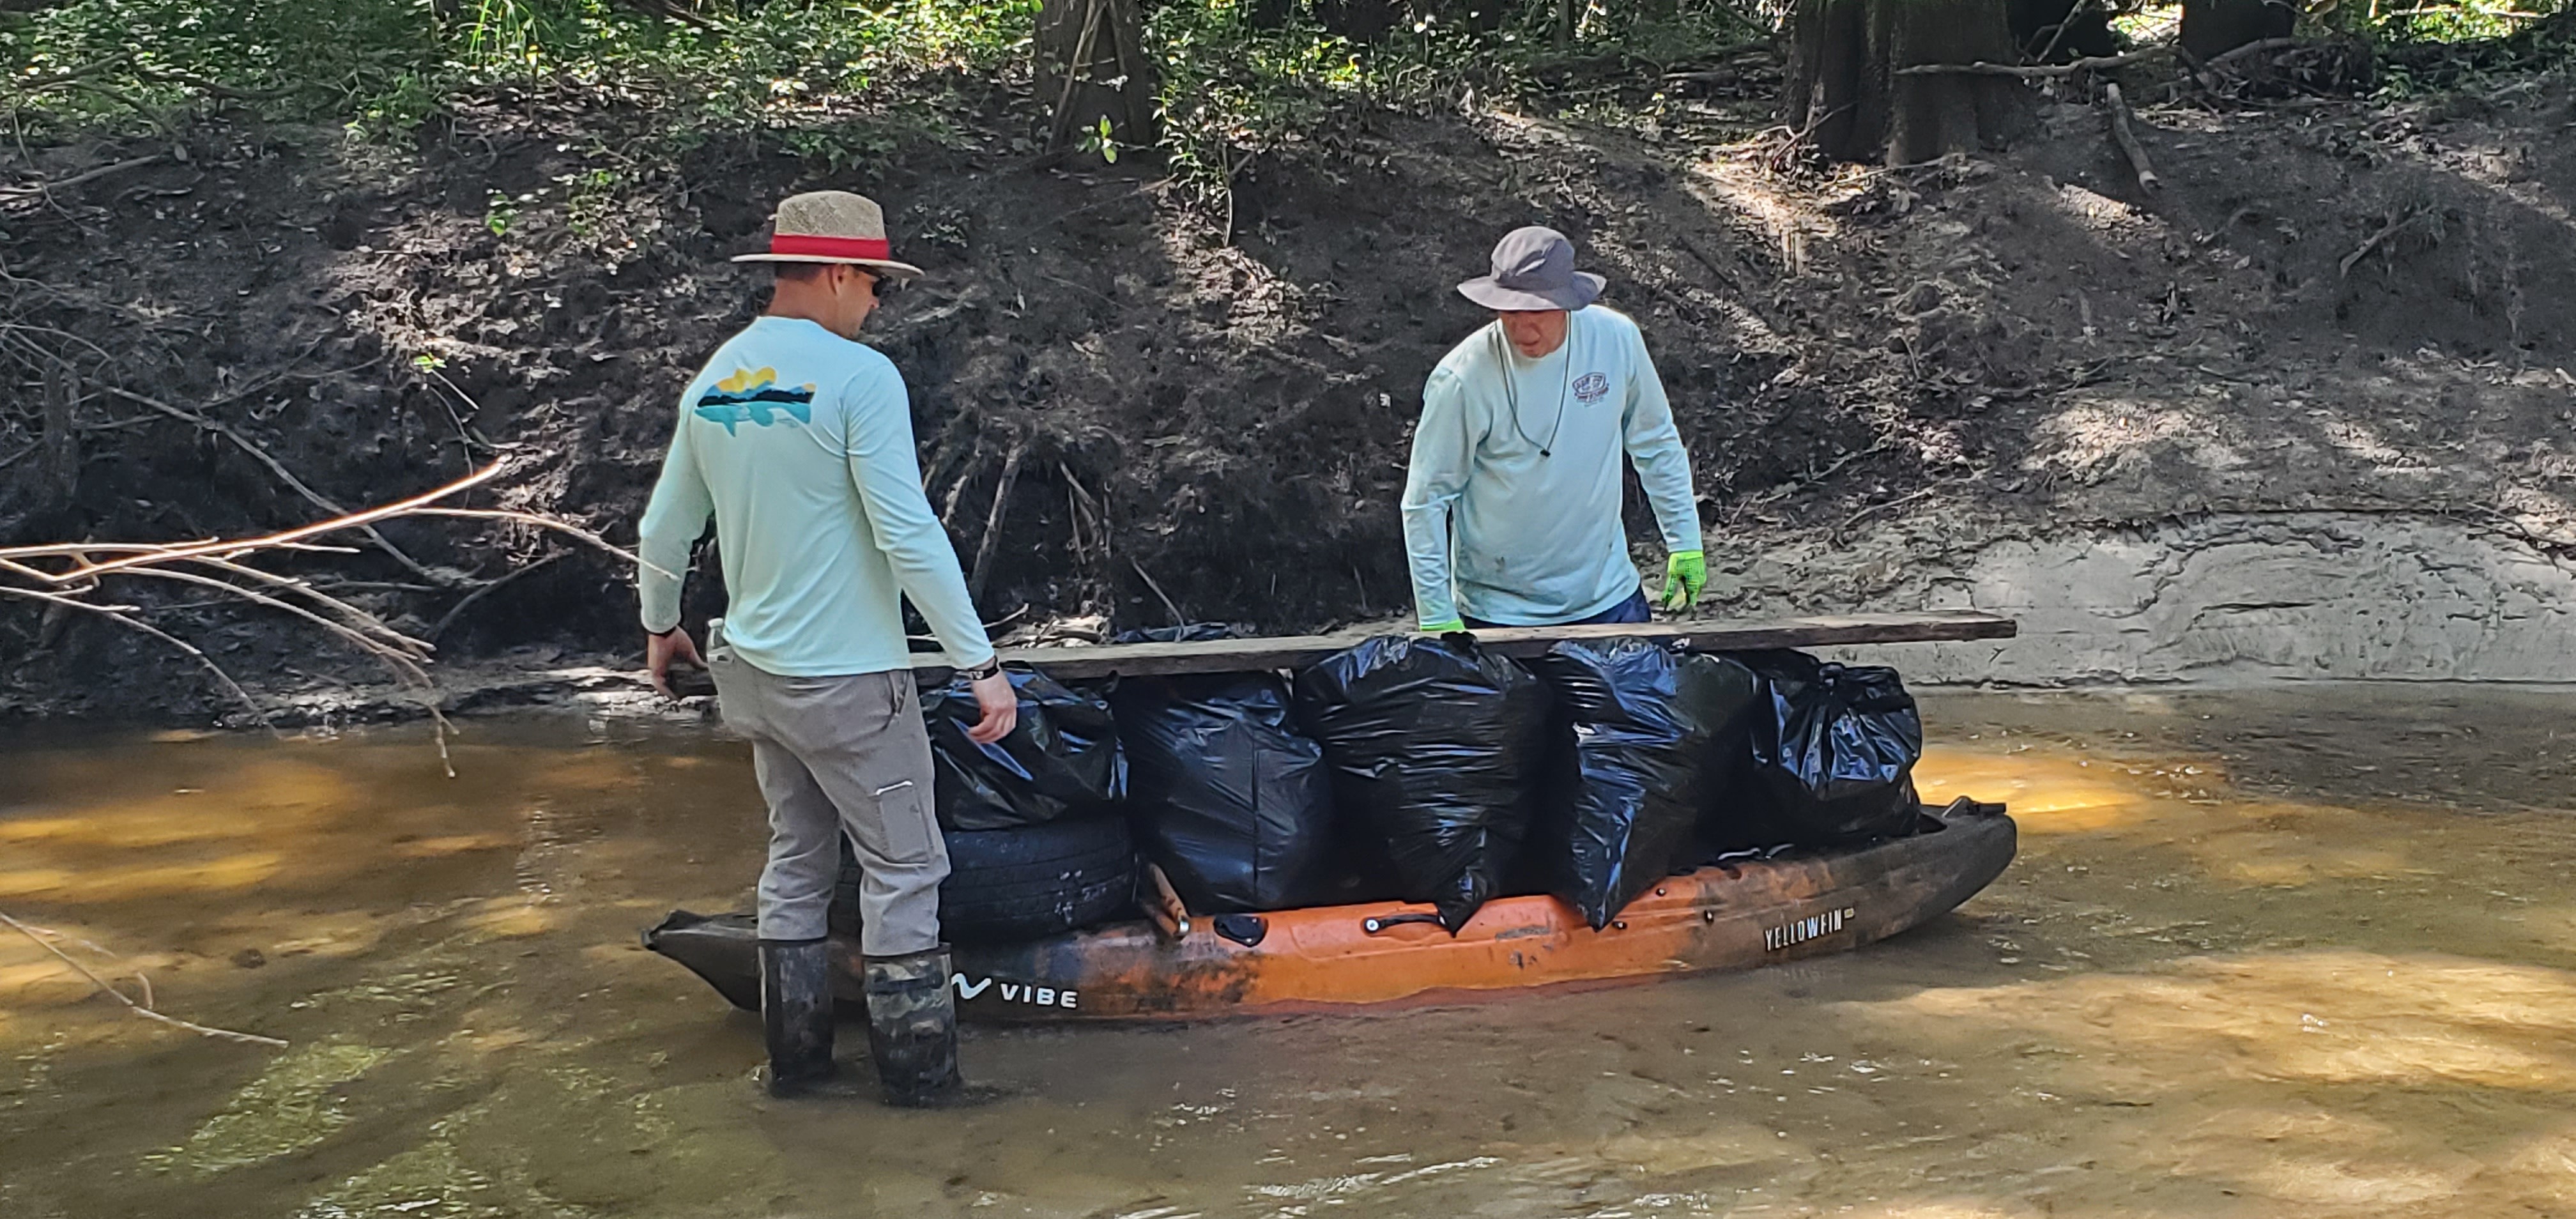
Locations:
column 210, row 88
column 566, row 528
column 233, row 548
column 30, row 190
column 1180, row 619
column 2257, row 47
column 2098, row 63
column 61, row 575
column 2127, row 139
column 2344, row 268
column 2065, row 23
column 143, row 1009
column 948, row 503
column 122, row 616
column 284, row 475
column 456, row 611
column 984, row 549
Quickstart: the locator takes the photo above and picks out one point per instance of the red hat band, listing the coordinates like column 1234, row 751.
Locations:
column 808, row 245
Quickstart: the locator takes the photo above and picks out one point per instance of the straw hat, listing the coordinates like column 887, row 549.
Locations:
column 1534, row 270
column 832, row 226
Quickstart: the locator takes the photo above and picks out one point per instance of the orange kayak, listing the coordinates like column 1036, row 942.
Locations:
column 1721, row 917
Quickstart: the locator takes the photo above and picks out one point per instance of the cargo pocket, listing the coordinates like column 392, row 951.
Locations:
column 905, row 817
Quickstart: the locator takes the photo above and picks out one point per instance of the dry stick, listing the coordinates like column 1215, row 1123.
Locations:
column 122, row 616
column 1179, row 619
column 993, row 522
column 30, row 190
column 220, row 546
column 352, row 615
column 1083, row 513
column 247, row 445
column 1061, row 129
column 2255, row 47
column 457, row 610
column 394, row 658
column 566, row 528
column 2344, row 269
column 2127, row 138
column 2098, row 63
column 356, row 619
column 203, row 85
column 965, row 475
column 143, row 1009
column 2063, row 24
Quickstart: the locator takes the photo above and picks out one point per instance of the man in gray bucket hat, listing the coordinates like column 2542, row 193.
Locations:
column 1511, row 511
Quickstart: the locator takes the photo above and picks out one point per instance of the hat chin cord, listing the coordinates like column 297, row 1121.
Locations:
column 1512, row 387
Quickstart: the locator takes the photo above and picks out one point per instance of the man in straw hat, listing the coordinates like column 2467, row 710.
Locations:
column 1511, row 512
column 797, row 439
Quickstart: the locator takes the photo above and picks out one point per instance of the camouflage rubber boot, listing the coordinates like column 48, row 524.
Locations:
column 796, row 1015
column 912, row 1027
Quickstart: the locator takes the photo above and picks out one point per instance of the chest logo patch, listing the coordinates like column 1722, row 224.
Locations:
column 1591, row 387
column 752, row 395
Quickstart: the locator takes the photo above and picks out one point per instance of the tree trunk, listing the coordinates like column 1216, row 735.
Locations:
column 1845, row 95
column 1092, row 66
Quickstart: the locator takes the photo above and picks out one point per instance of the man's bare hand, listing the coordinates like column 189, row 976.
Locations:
column 661, row 650
column 1001, row 707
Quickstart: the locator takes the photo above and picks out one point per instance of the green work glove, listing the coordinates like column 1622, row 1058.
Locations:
column 1684, row 575
column 1443, row 628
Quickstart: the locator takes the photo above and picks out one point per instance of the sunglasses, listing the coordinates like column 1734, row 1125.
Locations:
column 884, row 285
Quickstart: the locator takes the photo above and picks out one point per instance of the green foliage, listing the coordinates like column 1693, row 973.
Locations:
column 384, row 67
column 500, row 211
column 846, row 82
column 1233, row 92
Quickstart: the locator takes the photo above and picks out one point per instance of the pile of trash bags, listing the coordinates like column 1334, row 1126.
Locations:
column 1428, row 769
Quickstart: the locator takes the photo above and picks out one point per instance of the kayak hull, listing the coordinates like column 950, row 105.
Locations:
column 1336, row 958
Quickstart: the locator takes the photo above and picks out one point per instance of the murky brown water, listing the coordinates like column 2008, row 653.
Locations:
column 2302, row 952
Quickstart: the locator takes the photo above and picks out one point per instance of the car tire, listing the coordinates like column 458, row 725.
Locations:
column 1021, row 883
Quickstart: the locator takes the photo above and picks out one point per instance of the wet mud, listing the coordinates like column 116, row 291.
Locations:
column 2264, row 952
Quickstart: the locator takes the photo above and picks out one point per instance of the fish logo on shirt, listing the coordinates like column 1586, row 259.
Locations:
column 1592, row 388
column 752, row 396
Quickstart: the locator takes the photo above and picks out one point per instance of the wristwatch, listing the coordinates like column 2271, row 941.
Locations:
column 991, row 666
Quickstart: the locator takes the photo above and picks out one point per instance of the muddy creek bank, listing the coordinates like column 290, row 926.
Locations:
column 2265, row 952
column 1942, row 386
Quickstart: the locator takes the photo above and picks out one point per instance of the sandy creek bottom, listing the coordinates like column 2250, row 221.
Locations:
column 2299, row 951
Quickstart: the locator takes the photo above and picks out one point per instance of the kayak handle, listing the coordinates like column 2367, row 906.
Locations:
column 1376, row 923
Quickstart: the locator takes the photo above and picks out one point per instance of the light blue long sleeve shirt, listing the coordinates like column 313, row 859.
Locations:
column 1511, row 510
column 799, row 443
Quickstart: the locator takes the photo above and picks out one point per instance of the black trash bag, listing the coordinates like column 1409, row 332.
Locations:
column 1230, row 798
column 1438, row 751
column 1653, row 730
column 1063, row 754
column 1833, row 753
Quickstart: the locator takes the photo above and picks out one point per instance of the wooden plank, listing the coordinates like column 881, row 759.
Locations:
column 1297, row 651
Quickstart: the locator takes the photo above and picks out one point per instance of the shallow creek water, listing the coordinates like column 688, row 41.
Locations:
column 2306, row 951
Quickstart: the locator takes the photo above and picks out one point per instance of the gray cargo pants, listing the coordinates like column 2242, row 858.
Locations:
column 834, row 755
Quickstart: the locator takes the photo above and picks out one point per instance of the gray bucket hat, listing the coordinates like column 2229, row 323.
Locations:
column 1533, row 270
